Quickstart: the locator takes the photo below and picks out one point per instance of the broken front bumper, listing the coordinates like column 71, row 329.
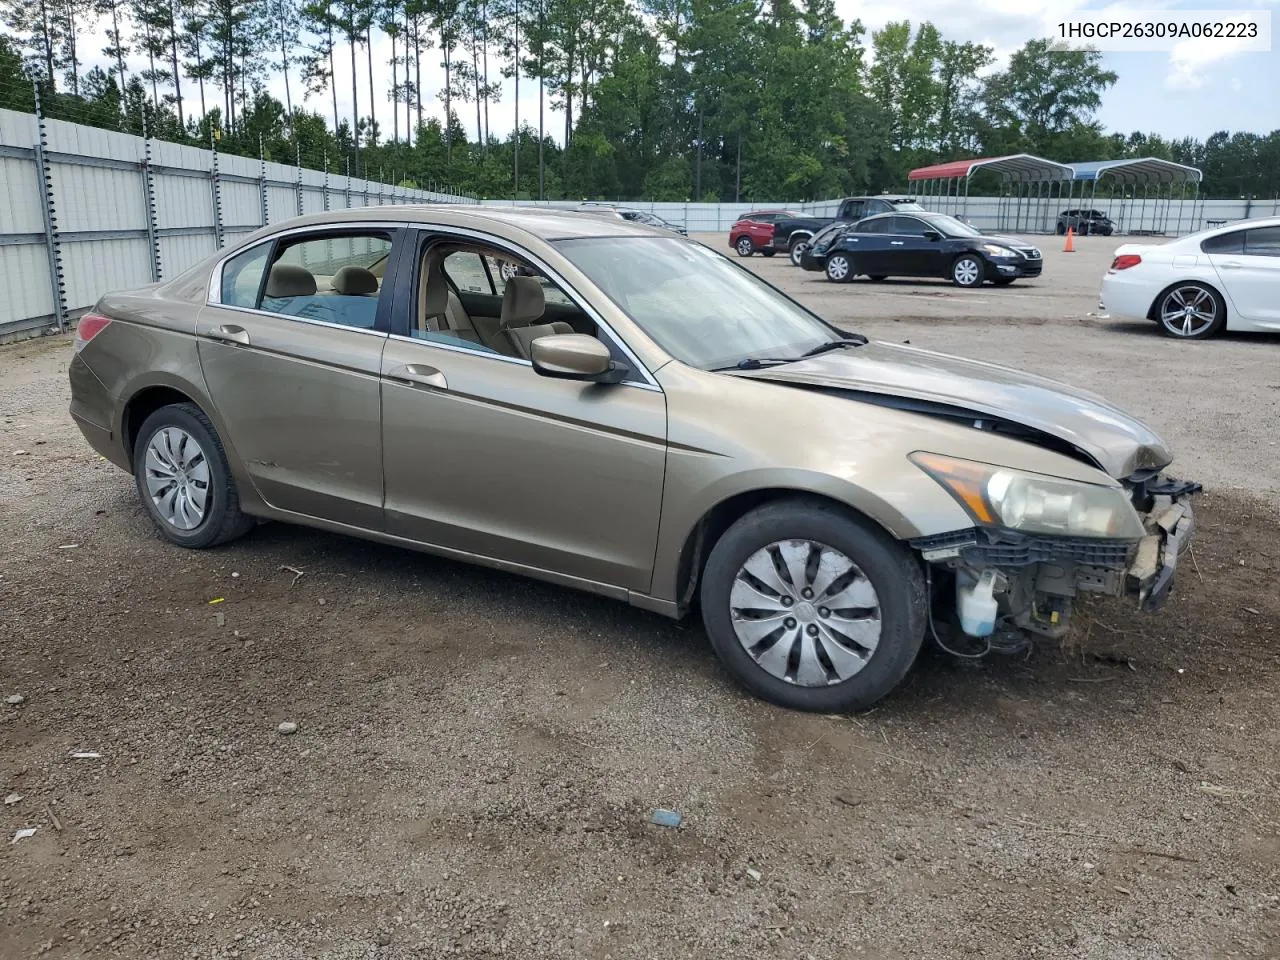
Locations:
column 1170, row 524
column 1038, row 577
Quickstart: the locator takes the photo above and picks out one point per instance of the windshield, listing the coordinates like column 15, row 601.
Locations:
column 906, row 205
column 951, row 226
column 700, row 307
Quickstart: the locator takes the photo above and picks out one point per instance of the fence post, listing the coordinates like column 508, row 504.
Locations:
column 215, row 189
column 348, row 183
column 57, row 282
column 149, row 187
column 326, row 182
column 298, row 157
column 262, row 184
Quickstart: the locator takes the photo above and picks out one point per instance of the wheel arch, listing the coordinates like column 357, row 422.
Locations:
column 711, row 526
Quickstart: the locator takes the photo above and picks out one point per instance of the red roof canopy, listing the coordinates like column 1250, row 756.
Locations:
column 1018, row 166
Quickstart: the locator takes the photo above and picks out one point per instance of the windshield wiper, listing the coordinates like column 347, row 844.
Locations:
column 854, row 340
column 754, row 363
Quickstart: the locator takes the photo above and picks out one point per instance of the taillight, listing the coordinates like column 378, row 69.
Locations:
column 90, row 325
column 1125, row 261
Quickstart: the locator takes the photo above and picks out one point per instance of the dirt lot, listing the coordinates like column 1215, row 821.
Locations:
column 477, row 755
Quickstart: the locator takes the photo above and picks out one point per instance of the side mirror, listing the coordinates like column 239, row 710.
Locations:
column 575, row 356
column 932, row 235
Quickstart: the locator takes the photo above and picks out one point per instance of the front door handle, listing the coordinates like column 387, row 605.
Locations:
column 230, row 334
column 420, row 374
column 897, row 243
column 1231, row 264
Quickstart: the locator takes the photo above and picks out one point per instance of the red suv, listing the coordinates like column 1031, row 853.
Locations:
column 753, row 233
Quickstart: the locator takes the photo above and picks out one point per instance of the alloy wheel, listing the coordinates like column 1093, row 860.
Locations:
column 1188, row 312
column 798, row 251
column 177, row 477
column 805, row 613
column 744, row 247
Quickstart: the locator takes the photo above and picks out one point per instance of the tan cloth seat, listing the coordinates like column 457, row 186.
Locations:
column 523, row 303
column 290, row 280
column 439, row 308
column 353, row 281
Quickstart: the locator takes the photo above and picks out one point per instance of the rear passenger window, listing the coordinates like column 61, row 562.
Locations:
column 242, row 277
column 1224, row 243
column 1262, row 242
column 333, row 279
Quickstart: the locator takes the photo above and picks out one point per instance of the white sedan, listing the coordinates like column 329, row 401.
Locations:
column 1227, row 278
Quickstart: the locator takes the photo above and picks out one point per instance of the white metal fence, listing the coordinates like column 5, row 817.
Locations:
column 85, row 210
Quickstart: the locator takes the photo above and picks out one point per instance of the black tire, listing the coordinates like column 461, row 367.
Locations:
column 796, row 250
column 768, row 252
column 744, row 246
column 1190, row 291
column 222, row 521
column 839, row 268
column 892, row 568
column 1062, row 229
column 961, row 278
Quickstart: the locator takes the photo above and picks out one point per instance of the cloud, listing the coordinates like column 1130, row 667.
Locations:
column 1190, row 61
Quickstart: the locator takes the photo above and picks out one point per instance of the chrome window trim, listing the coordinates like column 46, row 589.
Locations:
column 579, row 300
column 286, row 316
column 213, row 295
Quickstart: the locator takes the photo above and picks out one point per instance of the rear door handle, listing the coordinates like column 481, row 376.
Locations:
column 230, row 334
column 897, row 243
column 420, row 374
column 1231, row 264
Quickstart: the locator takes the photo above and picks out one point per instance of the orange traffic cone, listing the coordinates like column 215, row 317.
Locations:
column 1070, row 246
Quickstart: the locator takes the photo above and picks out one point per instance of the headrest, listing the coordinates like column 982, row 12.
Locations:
column 522, row 302
column 435, row 299
column 353, row 281
column 288, row 280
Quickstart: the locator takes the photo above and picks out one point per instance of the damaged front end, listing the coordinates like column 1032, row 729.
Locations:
column 1009, row 584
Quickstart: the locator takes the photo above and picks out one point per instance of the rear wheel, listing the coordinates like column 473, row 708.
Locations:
column 744, row 246
column 1190, row 311
column 811, row 608
column 797, row 250
column 839, row 268
column 967, row 271
column 184, row 480
column 768, row 252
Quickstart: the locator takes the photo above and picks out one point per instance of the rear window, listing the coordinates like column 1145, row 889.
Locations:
column 878, row 225
column 1224, row 243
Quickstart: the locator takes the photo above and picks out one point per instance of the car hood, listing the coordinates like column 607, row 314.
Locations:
column 1117, row 442
column 1005, row 241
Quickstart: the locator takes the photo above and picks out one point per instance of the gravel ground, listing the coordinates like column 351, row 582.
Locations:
column 476, row 756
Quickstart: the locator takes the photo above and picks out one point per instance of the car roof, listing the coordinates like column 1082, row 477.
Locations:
column 547, row 223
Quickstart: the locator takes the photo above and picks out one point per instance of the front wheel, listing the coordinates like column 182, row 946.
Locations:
column 1191, row 311
column 797, row 251
column 839, row 268
column 967, row 271
column 812, row 608
column 184, row 480
column 744, row 246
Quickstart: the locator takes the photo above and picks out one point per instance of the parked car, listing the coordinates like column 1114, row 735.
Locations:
column 639, row 417
column 1085, row 221
column 629, row 213
column 793, row 235
column 921, row 245
column 753, row 232
column 1226, row 278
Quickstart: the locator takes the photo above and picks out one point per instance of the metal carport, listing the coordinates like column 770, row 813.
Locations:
column 1028, row 185
column 1139, row 213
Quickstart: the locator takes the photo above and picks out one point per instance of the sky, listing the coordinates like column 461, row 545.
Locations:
column 1193, row 91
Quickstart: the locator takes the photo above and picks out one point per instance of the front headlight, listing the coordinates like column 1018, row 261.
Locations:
column 996, row 251
column 1033, row 503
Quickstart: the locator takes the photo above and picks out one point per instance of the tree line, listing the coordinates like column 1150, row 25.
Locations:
column 655, row 99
